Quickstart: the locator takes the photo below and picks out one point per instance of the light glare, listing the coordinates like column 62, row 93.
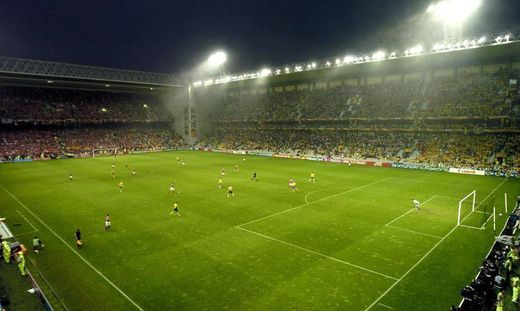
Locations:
column 217, row 59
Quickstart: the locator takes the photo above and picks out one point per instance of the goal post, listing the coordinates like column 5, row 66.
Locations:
column 472, row 196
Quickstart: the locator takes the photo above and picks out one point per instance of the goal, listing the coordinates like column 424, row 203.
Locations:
column 103, row 152
column 467, row 202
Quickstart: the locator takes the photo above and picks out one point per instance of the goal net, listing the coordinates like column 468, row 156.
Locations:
column 104, row 152
column 466, row 206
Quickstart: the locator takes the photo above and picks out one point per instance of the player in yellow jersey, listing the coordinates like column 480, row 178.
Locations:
column 312, row 178
column 121, row 186
column 222, row 172
column 230, row 191
column 292, row 185
column 220, row 181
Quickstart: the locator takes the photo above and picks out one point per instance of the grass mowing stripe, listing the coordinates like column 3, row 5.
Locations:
column 319, row 200
column 413, row 209
column 319, row 254
column 430, row 251
column 72, row 249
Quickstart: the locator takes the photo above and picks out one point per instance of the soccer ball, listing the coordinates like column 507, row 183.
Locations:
column 500, row 214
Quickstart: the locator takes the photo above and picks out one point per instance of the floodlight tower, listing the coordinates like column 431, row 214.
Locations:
column 453, row 14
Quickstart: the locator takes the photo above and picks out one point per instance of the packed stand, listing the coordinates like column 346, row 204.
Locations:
column 490, row 151
column 463, row 95
column 58, row 106
column 53, row 143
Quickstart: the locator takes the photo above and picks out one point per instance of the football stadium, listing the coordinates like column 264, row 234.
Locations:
column 382, row 180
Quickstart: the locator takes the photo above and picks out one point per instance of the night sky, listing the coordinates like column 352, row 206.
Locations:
column 174, row 36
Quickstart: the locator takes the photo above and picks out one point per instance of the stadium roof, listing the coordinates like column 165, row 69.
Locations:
column 492, row 54
column 17, row 71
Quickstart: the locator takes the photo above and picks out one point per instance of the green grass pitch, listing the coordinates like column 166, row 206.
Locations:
column 350, row 241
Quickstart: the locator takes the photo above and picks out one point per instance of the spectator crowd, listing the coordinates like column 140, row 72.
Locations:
column 468, row 120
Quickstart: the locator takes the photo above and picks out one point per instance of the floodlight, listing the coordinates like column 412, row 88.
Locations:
column 217, row 59
column 208, row 82
column 265, row 72
column 452, row 12
column 197, row 83
column 287, row 69
column 482, row 40
column 145, row 106
column 379, row 55
column 278, row 71
column 327, row 64
column 349, row 59
column 313, row 65
column 338, row 61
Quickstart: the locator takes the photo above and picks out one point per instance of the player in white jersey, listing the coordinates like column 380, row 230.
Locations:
column 416, row 204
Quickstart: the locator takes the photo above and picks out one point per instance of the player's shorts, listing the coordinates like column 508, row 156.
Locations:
column 107, row 224
column 176, row 209
column 230, row 192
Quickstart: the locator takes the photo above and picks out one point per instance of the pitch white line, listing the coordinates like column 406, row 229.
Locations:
column 319, row 200
column 413, row 209
column 485, row 223
column 470, row 227
column 320, row 190
column 416, row 232
column 49, row 285
column 482, row 212
column 319, row 254
column 430, row 251
column 73, row 250
column 26, row 219
column 382, row 305
column 19, row 234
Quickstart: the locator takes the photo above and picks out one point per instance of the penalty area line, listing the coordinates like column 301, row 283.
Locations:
column 429, row 252
column 319, row 200
column 319, row 254
column 388, row 307
column 73, row 250
column 408, row 212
